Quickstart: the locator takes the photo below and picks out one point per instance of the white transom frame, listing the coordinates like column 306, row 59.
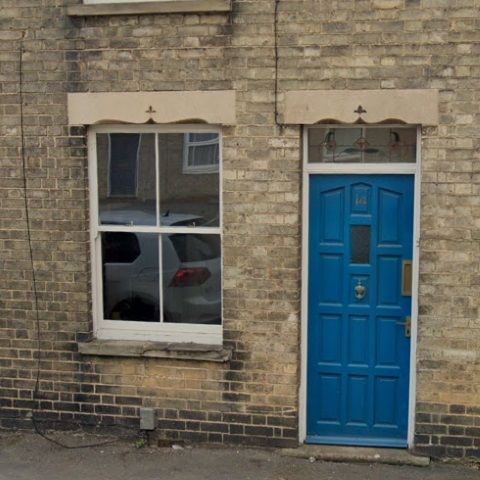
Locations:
column 359, row 169
column 133, row 330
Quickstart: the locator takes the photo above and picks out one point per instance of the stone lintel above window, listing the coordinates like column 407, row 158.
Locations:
column 215, row 107
column 113, row 7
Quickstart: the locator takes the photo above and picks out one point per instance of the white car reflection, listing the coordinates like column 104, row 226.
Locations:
column 191, row 266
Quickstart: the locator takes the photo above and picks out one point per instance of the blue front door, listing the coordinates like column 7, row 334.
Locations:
column 361, row 232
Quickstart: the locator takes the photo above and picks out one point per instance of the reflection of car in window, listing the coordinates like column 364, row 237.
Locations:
column 120, row 247
column 191, row 273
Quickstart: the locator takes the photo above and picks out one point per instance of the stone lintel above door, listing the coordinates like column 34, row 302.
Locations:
column 307, row 107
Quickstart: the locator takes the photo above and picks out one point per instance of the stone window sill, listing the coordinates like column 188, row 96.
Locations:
column 141, row 8
column 174, row 351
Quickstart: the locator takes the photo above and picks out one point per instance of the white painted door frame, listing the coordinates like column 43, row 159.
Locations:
column 359, row 169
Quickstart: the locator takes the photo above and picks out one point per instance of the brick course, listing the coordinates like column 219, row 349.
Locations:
column 367, row 44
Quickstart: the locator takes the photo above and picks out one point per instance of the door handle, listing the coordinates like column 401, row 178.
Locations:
column 407, row 324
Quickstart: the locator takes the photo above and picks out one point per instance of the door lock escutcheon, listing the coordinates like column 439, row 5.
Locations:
column 407, row 324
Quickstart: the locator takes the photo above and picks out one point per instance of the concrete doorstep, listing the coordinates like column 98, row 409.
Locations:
column 331, row 453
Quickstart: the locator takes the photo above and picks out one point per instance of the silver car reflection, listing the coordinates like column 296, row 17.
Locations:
column 191, row 271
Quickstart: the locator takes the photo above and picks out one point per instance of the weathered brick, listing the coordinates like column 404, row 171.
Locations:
column 398, row 44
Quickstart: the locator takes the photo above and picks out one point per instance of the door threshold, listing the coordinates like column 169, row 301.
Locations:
column 359, row 441
column 332, row 453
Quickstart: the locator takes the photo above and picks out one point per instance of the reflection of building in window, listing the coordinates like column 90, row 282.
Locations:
column 124, row 150
column 200, row 154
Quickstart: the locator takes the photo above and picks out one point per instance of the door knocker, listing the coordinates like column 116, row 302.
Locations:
column 360, row 290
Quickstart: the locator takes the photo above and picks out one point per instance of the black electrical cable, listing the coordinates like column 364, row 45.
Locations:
column 36, row 388
column 27, row 218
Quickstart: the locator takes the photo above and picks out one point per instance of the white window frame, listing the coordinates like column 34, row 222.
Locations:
column 109, row 180
column 145, row 331
column 198, row 169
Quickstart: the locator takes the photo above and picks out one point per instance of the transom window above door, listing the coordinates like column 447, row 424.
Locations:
column 362, row 144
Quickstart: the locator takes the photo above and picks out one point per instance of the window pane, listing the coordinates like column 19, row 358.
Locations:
column 186, row 199
column 126, row 178
column 200, row 155
column 120, row 247
column 362, row 145
column 202, row 137
column 192, row 278
column 130, row 276
column 361, row 244
column 122, row 175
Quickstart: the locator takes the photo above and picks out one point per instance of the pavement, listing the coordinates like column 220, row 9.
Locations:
column 26, row 456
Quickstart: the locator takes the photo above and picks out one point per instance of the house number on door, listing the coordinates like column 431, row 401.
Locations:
column 360, row 200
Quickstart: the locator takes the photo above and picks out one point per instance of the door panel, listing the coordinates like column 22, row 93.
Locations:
column 361, row 230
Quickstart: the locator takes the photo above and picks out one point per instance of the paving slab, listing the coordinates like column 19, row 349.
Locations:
column 30, row 457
